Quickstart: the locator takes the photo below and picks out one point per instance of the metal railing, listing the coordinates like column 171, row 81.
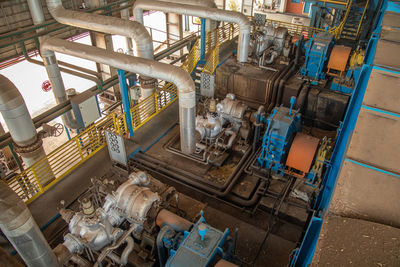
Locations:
column 337, row 30
column 220, row 36
column 212, row 61
column 38, row 178
column 362, row 20
column 146, row 109
column 152, row 105
column 295, row 29
column 336, row 2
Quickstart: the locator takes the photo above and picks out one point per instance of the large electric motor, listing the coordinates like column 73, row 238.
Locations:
column 285, row 150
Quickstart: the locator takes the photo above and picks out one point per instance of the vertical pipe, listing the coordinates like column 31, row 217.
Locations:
column 51, row 66
column 21, row 230
column 125, row 100
column 203, row 40
column 19, row 123
column 128, row 40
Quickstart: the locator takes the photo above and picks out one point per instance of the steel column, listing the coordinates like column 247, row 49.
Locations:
column 125, row 100
column 203, row 40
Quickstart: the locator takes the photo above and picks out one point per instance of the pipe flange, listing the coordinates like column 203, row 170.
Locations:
column 147, row 82
column 28, row 148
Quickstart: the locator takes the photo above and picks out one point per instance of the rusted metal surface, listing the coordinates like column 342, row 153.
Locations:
column 247, row 82
column 301, row 154
column 338, row 60
column 224, row 263
column 165, row 217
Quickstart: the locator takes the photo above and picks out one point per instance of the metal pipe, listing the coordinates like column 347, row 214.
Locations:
column 110, row 25
column 149, row 68
column 20, row 124
column 78, row 260
column 128, row 249
column 72, row 72
column 179, row 224
column 125, row 15
column 204, row 3
column 61, row 108
column 21, row 230
column 202, row 12
column 51, row 65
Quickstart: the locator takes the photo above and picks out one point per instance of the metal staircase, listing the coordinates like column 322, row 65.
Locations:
column 353, row 21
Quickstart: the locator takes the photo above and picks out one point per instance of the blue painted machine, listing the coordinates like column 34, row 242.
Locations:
column 318, row 49
column 285, row 150
column 282, row 125
column 202, row 246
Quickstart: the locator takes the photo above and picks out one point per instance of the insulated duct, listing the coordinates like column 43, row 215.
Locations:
column 204, row 3
column 51, row 65
column 109, row 25
column 146, row 67
column 202, row 12
column 125, row 15
column 21, row 230
column 20, row 125
column 106, row 24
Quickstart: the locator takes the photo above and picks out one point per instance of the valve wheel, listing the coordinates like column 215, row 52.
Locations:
column 46, row 86
column 58, row 129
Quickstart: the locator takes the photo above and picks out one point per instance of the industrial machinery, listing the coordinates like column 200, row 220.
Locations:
column 220, row 127
column 285, row 149
column 318, row 49
column 270, row 44
column 130, row 226
column 202, row 245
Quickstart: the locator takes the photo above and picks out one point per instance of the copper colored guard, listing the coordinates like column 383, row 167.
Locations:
column 338, row 60
column 301, row 154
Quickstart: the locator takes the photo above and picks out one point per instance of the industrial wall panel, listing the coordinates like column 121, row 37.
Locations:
column 368, row 194
column 375, row 140
column 383, row 91
column 354, row 242
column 116, row 147
column 387, row 54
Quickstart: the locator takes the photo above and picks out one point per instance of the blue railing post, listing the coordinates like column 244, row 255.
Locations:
column 203, row 40
column 125, row 100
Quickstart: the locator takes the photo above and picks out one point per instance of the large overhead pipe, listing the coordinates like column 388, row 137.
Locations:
column 203, row 3
column 51, row 66
column 20, row 124
column 110, row 25
column 149, row 68
column 21, row 230
column 202, row 12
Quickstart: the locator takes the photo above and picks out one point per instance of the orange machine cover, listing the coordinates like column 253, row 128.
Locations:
column 301, row 153
column 339, row 57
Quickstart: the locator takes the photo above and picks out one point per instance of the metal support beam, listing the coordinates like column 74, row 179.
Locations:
column 125, row 101
column 203, row 40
